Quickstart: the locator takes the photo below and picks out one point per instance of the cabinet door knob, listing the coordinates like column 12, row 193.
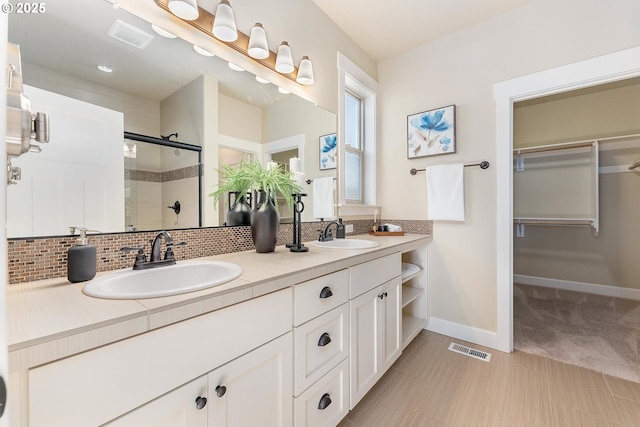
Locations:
column 324, row 340
column 381, row 296
column 201, row 402
column 326, row 292
column 385, row 295
column 325, row 401
column 220, row 390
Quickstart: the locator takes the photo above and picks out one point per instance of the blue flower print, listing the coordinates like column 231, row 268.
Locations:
column 330, row 142
column 431, row 122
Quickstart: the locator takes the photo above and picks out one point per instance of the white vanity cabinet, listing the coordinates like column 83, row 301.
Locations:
column 178, row 408
column 255, row 389
column 375, row 319
column 321, row 350
column 100, row 385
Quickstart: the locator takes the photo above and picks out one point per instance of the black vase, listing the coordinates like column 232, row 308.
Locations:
column 240, row 211
column 265, row 221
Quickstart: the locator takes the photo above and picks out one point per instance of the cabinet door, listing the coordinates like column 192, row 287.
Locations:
column 255, row 389
column 182, row 407
column 365, row 338
column 391, row 327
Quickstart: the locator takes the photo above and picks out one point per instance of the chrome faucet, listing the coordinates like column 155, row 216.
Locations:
column 156, row 260
column 326, row 235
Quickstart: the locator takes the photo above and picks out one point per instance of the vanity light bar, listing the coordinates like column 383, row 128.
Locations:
column 204, row 23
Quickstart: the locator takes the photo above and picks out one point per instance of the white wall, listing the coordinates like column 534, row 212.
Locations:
column 140, row 115
column 461, row 69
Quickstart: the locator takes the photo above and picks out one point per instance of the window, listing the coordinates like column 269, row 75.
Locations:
column 357, row 140
column 354, row 154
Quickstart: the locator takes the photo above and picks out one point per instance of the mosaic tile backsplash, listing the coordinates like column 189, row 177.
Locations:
column 45, row 258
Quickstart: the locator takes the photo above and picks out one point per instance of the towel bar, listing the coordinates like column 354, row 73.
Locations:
column 483, row 165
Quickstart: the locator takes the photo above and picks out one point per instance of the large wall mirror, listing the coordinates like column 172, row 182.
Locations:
column 159, row 89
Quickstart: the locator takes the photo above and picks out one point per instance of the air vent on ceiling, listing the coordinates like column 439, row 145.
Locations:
column 476, row 354
column 129, row 34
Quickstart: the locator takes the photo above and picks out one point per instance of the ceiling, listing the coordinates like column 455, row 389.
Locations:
column 65, row 41
column 386, row 28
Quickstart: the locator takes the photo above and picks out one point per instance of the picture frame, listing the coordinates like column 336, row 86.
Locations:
column 432, row 132
column 328, row 148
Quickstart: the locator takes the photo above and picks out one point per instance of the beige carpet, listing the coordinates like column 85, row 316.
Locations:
column 596, row 332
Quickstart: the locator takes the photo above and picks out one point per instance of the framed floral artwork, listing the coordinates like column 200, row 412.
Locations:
column 328, row 149
column 431, row 133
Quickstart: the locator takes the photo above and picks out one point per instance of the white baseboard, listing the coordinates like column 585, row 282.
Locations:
column 590, row 288
column 463, row 332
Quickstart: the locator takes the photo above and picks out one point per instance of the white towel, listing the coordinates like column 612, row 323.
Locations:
column 323, row 198
column 445, row 192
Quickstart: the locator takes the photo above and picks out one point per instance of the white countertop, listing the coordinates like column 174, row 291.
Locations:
column 52, row 318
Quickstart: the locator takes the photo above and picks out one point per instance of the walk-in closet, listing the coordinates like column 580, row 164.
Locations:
column 576, row 205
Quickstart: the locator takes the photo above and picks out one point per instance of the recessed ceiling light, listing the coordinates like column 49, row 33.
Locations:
column 283, row 90
column 162, row 32
column 261, row 80
column 105, row 68
column 202, row 51
column 234, row 67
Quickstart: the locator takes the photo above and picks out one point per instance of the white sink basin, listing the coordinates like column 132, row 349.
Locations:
column 346, row 244
column 180, row 278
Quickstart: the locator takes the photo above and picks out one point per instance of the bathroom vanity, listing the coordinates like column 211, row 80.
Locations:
column 297, row 339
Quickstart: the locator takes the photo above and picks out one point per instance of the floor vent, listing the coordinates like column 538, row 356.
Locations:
column 476, row 354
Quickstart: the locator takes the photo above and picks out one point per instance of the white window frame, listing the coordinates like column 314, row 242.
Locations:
column 353, row 79
column 359, row 151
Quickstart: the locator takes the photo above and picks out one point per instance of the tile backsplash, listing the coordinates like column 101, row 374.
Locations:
column 44, row 258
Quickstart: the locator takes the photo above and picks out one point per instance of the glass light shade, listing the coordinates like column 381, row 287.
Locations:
column 284, row 60
column 224, row 23
column 201, row 51
column 235, row 67
column 185, row 9
column 162, row 32
column 305, row 71
column 258, row 46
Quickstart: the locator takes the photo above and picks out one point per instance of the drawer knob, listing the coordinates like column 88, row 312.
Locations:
column 324, row 340
column 326, row 292
column 325, row 401
column 201, row 402
column 220, row 390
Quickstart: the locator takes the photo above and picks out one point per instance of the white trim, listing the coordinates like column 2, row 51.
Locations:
column 603, row 69
column 463, row 332
column 233, row 143
column 285, row 144
column 352, row 77
column 569, row 285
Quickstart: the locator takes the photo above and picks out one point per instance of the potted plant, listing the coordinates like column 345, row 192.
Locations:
column 265, row 219
column 266, row 183
column 237, row 182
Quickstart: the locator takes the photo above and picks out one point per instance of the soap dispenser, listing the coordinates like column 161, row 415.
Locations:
column 81, row 259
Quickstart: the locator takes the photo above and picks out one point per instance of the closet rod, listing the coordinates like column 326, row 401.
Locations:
column 483, row 165
column 543, row 148
column 635, row 165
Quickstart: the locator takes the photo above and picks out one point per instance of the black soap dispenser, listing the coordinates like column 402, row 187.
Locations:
column 81, row 259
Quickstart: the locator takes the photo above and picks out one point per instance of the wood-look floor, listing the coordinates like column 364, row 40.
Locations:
column 432, row 386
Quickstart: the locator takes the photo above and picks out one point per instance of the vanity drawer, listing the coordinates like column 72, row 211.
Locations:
column 331, row 393
column 368, row 275
column 319, row 345
column 311, row 299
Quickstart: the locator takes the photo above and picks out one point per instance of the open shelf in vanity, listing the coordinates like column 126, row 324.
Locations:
column 414, row 293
